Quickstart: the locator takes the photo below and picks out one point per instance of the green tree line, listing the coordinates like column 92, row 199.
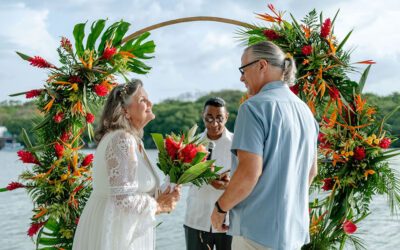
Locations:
column 173, row 115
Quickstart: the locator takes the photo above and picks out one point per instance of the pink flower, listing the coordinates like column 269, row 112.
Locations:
column 66, row 44
column 90, row 118
column 100, row 90
column 306, row 50
column 295, row 89
column 325, row 28
column 188, row 153
column 27, row 157
column 35, row 228
column 14, row 185
column 359, row 153
column 33, row 93
column 349, row 227
column 385, row 143
column 58, row 117
column 88, row 160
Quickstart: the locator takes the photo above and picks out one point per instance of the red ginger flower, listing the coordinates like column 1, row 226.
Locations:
column 33, row 93
column 77, row 221
column 65, row 137
column 326, row 28
column 271, row 34
column 27, row 157
column 188, row 153
column 349, row 227
column 58, row 117
column 306, row 50
column 66, row 44
column 14, row 185
column 108, row 53
column 329, row 183
column 59, row 149
column 172, row 147
column 88, row 159
column 295, row 89
column 385, row 143
column 90, row 118
column 40, row 62
column 334, row 93
column 35, row 228
column 74, row 79
column 359, row 153
column 100, row 90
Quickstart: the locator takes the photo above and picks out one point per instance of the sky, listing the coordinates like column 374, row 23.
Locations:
column 190, row 58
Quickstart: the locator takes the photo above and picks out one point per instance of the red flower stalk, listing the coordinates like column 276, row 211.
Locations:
column 100, row 90
column 349, row 227
column 27, row 157
column 295, row 89
column 88, row 159
column 59, row 149
column 326, row 28
column 58, row 117
column 90, row 118
column 40, row 62
column 33, row 93
column 172, row 147
column 359, row 153
column 385, row 143
column 306, row 50
column 35, row 228
column 108, row 53
column 334, row 93
column 74, row 79
column 65, row 137
column 188, row 153
column 66, row 44
column 271, row 34
column 14, row 185
column 329, row 183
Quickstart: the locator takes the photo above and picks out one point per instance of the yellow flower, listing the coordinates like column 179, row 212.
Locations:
column 289, row 55
column 351, row 153
column 373, row 136
column 376, row 141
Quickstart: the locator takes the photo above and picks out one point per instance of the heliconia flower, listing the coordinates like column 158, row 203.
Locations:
column 33, row 93
column 14, row 185
column 59, row 149
column 334, row 93
column 66, row 44
column 35, row 228
column 90, row 118
column 74, row 79
column 295, row 89
column 88, row 159
column 172, row 147
column 100, row 90
column 271, row 34
column 359, row 153
column 65, row 137
column 326, row 28
column 306, row 50
column 328, row 184
column 40, row 62
column 385, row 143
column 349, row 227
column 58, row 117
column 188, row 153
column 27, row 157
column 108, row 53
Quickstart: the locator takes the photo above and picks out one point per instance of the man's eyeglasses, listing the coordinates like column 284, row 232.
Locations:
column 211, row 120
column 244, row 66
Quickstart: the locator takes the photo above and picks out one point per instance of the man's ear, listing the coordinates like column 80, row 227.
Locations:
column 263, row 65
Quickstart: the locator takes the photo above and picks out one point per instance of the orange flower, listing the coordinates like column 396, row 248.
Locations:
column 367, row 62
column 367, row 172
column 41, row 213
column 359, row 103
column 307, row 31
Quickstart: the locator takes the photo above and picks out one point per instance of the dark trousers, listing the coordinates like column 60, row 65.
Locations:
column 200, row 240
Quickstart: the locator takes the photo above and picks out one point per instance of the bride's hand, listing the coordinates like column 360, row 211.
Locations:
column 166, row 202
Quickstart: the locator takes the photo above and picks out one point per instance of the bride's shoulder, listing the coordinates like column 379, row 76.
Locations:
column 121, row 136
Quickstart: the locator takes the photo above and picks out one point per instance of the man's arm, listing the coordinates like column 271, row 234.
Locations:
column 243, row 180
column 313, row 171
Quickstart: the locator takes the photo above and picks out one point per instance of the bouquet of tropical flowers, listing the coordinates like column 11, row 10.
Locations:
column 183, row 159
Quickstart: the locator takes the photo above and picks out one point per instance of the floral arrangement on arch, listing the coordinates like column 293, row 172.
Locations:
column 353, row 148
column 59, row 178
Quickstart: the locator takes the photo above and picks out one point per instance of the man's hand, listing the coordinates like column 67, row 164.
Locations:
column 217, row 220
column 222, row 182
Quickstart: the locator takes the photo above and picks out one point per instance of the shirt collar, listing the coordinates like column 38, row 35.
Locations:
column 273, row 85
column 222, row 136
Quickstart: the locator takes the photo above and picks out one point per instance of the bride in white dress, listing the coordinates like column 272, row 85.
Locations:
column 120, row 213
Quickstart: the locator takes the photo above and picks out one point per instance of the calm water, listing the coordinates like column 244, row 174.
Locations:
column 380, row 230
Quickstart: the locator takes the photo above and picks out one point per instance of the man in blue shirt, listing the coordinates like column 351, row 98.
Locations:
column 275, row 150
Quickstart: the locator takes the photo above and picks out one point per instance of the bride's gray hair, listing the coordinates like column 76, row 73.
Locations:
column 113, row 116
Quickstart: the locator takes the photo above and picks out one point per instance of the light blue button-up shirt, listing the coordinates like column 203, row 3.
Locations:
column 280, row 127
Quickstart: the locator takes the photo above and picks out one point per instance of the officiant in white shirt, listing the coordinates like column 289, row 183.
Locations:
column 199, row 232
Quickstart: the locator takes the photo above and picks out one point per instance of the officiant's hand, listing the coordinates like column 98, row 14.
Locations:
column 166, row 202
column 222, row 182
column 218, row 221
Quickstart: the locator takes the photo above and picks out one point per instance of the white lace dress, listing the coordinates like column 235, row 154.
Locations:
column 120, row 213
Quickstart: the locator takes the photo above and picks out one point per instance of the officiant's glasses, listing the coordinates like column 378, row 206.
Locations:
column 244, row 66
column 211, row 119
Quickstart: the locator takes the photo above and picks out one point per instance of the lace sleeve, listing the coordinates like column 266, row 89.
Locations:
column 122, row 164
